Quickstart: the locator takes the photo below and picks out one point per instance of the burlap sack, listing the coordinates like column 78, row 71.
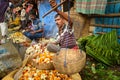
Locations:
column 69, row 61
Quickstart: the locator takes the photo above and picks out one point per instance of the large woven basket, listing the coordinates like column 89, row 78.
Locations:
column 69, row 61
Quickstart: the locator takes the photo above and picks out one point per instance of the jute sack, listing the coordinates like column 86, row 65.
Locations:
column 69, row 61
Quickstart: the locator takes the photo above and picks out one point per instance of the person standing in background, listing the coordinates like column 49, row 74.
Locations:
column 23, row 16
column 4, row 4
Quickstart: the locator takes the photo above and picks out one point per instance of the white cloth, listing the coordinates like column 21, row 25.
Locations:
column 64, row 30
column 4, row 28
column 23, row 15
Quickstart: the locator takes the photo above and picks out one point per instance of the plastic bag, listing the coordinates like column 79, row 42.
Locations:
column 9, row 60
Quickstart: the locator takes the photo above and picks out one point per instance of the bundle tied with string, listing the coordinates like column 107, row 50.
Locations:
column 69, row 61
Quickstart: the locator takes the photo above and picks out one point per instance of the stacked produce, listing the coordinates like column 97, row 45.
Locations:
column 44, row 57
column 43, row 60
column 31, row 73
column 18, row 37
column 36, row 48
column 104, row 48
column 10, row 29
column 40, row 56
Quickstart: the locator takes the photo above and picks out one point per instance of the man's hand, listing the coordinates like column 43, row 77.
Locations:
column 32, row 32
column 53, row 3
column 27, row 29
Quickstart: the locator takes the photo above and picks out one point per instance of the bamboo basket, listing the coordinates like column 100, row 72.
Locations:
column 75, row 61
column 10, row 75
column 43, row 66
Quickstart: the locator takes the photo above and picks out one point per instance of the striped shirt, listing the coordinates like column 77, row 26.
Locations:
column 66, row 39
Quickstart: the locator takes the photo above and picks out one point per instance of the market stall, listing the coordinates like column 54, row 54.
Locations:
column 39, row 64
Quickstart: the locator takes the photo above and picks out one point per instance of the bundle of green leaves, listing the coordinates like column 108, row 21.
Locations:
column 104, row 48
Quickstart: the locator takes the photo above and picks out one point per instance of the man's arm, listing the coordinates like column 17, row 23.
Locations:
column 40, row 27
column 65, row 16
column 40, row 30
column 37, row 31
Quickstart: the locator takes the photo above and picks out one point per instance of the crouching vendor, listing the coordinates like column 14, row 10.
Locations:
column 37, row 28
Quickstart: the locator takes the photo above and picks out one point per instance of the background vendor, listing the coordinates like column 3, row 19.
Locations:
column 37, row 31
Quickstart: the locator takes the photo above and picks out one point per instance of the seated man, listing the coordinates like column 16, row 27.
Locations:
column 29, row 26
column 37, row 30
column 65, row 38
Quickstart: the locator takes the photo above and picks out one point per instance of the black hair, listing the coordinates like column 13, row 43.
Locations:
column 32, row 12
column 29, row 21
column 57, row 16
column 19, row 12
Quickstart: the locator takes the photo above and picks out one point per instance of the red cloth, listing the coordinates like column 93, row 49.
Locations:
column 28, row 9
column 76, row 47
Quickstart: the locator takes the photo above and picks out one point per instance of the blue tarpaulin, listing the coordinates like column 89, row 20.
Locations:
column 110, row 8
column 49, row 21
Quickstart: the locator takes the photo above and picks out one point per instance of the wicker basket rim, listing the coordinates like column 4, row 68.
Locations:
column 34, row 63
column 83, row 58
column 43, row 65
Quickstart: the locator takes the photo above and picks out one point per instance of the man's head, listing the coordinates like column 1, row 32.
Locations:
column 59, row 20
column 29, row 22
column 32, row 15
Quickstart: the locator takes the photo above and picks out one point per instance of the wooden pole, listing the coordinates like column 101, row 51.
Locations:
column 105, row 26
column 113, row 2
column 53, row 8
column 104, row 15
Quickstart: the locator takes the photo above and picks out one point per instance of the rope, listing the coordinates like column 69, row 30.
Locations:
column 65, row 62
